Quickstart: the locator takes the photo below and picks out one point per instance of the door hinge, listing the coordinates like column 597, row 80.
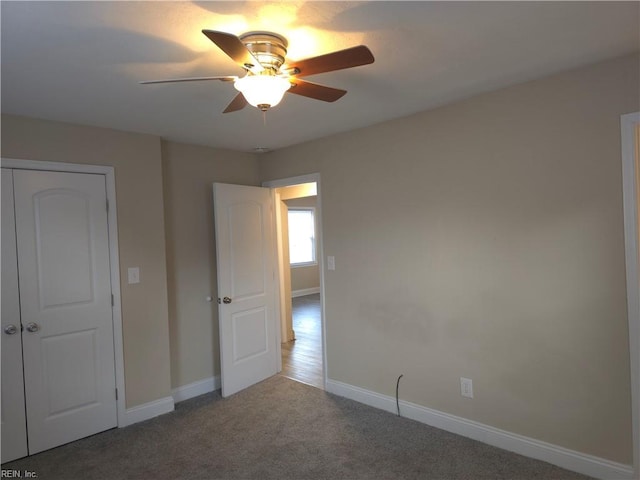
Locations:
column 113, row 302
column 107, row 202
column 116, row 393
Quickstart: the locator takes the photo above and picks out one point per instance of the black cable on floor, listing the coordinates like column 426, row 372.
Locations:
column 397, row 399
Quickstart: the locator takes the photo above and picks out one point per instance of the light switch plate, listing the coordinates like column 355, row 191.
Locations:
column 331, row 262
column 466, row 387
column 133, row 275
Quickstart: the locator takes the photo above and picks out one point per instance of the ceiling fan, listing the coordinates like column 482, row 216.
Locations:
column 268, row 77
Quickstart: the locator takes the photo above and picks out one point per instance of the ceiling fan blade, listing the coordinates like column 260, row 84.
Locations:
column 350, row 57
column 238, row 103
column 315, row 91
column 233, row 46
column 190, row 79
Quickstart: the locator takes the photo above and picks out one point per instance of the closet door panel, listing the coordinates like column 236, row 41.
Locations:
column 65, row 294
column 14, row 428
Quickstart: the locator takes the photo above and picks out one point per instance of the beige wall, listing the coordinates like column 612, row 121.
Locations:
column 141, row 242
column 485, row 239
column 189, row 172
column 307, row 277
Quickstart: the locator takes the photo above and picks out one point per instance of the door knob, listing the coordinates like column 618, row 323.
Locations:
column 10, row 329
column 32, row 327
column 226, row 300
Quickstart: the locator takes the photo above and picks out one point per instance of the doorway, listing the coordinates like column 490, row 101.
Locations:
column 300, row 260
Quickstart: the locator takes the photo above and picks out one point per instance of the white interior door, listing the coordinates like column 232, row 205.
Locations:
column 65, row 300
column 14, row 426
column 246, row 285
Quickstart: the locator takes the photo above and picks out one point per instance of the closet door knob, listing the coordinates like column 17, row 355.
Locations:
column 32, row 327
column 10, row 329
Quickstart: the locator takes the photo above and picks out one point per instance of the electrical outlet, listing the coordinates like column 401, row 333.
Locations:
column 466, row 387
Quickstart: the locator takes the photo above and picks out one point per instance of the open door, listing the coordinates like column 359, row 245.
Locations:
column 245, row 252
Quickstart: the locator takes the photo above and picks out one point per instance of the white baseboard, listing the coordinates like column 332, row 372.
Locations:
column 146, row 411
column 529, row 447
column 304, row 291
column 185, row 392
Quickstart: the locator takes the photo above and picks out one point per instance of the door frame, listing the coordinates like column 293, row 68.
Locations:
column 630, row 193
column 288, row 182
column 114, row 257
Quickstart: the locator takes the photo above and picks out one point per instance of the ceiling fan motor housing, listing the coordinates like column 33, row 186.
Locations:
column 269, row 48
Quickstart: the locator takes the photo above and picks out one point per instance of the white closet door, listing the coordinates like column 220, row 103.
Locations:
column 14, row 427
column 65, row 299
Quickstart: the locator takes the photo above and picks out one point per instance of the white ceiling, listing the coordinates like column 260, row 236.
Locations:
column 80, row 62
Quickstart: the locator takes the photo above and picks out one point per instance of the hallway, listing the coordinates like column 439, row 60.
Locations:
column 302, row 358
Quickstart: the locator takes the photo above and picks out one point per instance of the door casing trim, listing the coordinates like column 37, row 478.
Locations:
column 630, row 192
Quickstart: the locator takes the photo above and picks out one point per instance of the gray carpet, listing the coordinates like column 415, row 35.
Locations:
column 282, row 429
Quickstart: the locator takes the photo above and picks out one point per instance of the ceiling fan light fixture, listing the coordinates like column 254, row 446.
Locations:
column 262, row 91
column 268, row 77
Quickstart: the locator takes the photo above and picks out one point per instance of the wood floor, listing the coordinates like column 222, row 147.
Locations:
column 302, row 358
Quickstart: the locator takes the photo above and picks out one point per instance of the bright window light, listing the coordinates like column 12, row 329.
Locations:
column 302, row 237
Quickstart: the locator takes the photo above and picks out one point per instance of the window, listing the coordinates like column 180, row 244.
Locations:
column 302, row 236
